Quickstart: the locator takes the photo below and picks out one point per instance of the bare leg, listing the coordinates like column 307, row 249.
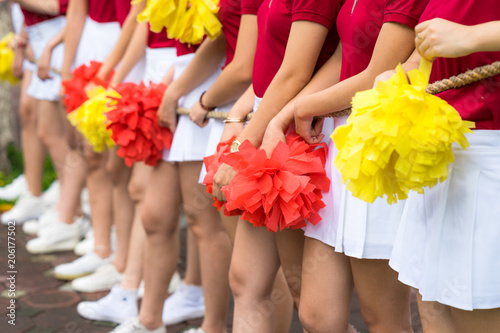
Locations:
column 135, row 258
column 254, row 266
column 74, row 171
column 384, row 301
column 51, row 130
column 213, row 243
column 33, row 149
column 100, row 189
column 326, row 289
column 123, row 206
column 160, row 218
column 485, row 321
column 193, row 272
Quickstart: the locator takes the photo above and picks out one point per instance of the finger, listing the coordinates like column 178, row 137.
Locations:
column 421, row 27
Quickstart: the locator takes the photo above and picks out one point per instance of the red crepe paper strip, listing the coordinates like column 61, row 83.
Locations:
column 282, row 191
column 212, row 164
column 74, row 89
column 134, row 124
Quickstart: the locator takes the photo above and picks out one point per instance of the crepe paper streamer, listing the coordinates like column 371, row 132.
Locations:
column 89, row 118
column 283, row 191
column 74, row 89
column 6, row 60
column 398, row 138
column 212, row 164
column 132, row 119
column 186, row 20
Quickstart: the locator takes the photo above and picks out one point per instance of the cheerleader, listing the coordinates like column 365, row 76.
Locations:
column 239, row 26
column 174, row 180
column 327, row 284
column 44, row 27
column 447, row 243
column 290, row 33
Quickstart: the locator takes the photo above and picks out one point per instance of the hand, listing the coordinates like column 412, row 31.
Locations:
column 17, row 63
column 274, row 134
column 29, row 54
column 198, row 115
column 44, row 65
column 306, row 126
column 167, row 116
column 384, row 76
column 222, row 178
column 65, row 75
column 442, row 38
column 232, row 130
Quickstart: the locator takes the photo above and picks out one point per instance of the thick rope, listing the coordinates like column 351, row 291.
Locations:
column 469, row 77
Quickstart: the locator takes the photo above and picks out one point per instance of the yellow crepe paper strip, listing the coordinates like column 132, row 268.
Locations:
column 398, row 138
column 89, row 118
column 6, row 60
column 185, row 20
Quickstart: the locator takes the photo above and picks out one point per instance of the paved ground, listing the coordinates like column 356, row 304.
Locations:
column 47, row 305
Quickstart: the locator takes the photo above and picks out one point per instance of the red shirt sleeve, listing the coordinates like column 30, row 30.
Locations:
column 319, row 11
column 250, row 6
column 406, row 12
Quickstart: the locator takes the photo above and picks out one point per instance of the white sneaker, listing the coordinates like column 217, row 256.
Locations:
column 187, row 302
column 26, row 208
column 15, row 189
column 103, row 279
column 54, row 237
column 133, row 325
column 51, row 195
column 194, row 330
column 117, row 306
column 32, row 227
column 86, row 245
column 85, row 202
column 82, row 266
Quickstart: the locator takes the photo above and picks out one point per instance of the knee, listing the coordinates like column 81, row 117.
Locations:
column 318, row 318
column 118, row 172
column 94, row 160
column 156, row 224
column 136, row 190
column 27, row 113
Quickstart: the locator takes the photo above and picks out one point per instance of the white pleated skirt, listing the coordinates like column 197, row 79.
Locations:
column 216, row 130
column 326, row 230
column 40, row 35
column 97, row 41
column 190, row 141
column 137, row 73
column 448, row 243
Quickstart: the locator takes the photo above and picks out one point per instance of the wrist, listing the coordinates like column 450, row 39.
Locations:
column 204, row 106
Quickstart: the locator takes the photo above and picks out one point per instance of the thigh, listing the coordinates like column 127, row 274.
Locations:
column 435, row 317
column 290, row 245
column 327, row 284
column 50, row 120
column 141, row 173
column 484, row 321
column 255, row 260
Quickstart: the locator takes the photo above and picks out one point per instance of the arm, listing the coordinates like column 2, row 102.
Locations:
column 394, row 45
column 441, row 38
column 240, row 109
column 304, row 45
column 236, row 77
column 120, row 48
column 76, row 14
column 48, row 7
column 207, row 59
column 43, row 63
column 20, row 44
column 135, row 51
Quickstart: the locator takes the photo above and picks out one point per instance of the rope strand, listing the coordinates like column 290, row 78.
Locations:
column 469, row 77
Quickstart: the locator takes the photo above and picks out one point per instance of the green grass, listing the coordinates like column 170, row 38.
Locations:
column 15, row 156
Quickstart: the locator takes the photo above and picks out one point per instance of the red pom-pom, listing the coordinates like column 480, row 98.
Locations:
column 212, row 164
column 74, row 89
column 282, row 191
column 134, row 123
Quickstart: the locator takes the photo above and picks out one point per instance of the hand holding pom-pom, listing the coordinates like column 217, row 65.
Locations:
column 398, row 138
column 134, row 124
column 282, row 191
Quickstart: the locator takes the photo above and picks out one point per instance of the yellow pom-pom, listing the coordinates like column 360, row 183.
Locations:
column 398, row 138
column 89, row 118
column 185, row 20
column 6, row 60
